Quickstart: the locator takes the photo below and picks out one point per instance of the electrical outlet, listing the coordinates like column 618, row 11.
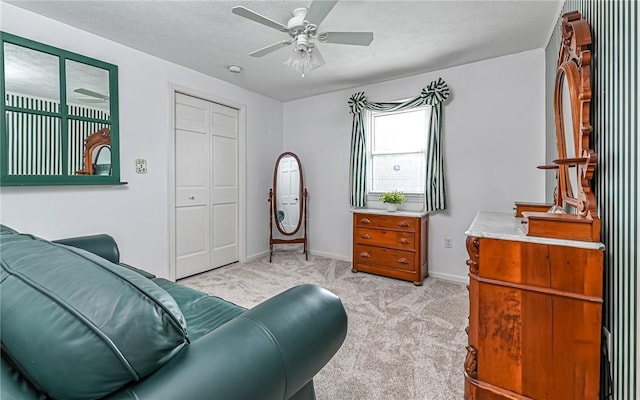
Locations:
column 448, row 242
column 141, row 166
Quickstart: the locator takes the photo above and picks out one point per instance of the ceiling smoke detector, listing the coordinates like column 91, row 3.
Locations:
column 236, row 69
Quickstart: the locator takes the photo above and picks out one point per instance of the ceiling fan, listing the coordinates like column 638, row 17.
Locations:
column 95, row 96
column 303, row 29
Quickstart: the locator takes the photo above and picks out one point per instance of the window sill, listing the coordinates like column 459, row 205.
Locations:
column 82, row 182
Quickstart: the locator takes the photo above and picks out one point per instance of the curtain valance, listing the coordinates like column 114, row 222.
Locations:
column 433, row 95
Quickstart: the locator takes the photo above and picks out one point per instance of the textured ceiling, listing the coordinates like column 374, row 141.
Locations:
column 410, row 37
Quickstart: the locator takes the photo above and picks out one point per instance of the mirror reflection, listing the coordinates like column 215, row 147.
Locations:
column 288, row 194
column 54, row 101
column 571, row 171
column 288, row 204
column 102, row 161
column 87, row 90
column 97, row 154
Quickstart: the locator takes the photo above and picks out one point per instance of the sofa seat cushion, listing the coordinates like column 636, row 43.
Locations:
column 203, row 313
column 79, row 326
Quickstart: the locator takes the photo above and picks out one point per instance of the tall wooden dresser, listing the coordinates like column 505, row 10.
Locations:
column 534, row 314
column 535, row 280
column 391, row 244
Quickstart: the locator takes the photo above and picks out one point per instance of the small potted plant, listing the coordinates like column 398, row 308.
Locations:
column 392, row 199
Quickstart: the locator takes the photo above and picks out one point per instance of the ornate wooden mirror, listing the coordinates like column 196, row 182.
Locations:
column 287, row 202
column 572, row 101
column 97, row 153
column 574, row 215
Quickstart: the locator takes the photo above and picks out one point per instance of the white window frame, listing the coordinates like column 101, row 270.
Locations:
column 414, row 201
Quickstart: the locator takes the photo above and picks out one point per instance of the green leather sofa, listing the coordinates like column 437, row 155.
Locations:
column 75, row 323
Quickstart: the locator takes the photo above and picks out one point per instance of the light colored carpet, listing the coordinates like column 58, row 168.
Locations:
column 404, row 342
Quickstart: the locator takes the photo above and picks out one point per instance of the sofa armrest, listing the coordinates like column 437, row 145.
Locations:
column 101, row 245
column 270, row 352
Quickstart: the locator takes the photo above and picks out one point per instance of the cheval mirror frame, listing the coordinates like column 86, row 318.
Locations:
column 576, row 161
column 275, row 209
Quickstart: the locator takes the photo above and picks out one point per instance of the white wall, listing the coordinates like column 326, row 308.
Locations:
column 137, row 214
column 493, row 139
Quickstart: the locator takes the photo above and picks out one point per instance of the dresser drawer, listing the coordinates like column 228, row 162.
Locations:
column 385, row 238
column 408, row 224
column 397, row 259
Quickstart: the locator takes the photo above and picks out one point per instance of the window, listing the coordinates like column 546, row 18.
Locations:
column 52, row 101
column 397, row 151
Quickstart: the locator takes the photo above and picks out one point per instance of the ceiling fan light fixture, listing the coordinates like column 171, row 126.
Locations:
column 302, row 60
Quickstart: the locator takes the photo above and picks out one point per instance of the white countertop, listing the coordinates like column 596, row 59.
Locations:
column 399, row 213
column 505, row 226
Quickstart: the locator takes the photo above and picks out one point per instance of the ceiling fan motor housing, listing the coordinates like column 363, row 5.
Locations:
column 297, row 23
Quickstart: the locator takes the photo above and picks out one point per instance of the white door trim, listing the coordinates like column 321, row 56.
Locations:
column 242, row 173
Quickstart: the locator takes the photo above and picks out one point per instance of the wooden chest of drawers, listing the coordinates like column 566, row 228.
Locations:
column 534, row 314
column 391, row 245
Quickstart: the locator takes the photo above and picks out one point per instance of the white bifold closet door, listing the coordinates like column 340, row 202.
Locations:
column 206, row 182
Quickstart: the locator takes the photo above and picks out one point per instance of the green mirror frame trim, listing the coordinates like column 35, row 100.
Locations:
column 64, row 115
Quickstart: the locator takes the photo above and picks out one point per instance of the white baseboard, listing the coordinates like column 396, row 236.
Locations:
column 257, row 256
column 265, row 253
column 436, row 275
column 330, row 255
column 449, row 277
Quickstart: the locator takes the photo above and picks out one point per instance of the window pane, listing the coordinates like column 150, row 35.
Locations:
column 403, row 172
column 399, row 132
column 34, row 145
column 87, row 90
column 77, row 133
column 32, row 79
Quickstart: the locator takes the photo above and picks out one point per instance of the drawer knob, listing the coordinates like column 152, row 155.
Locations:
column 192, row 197
column 366, row 236
column 403, row 261
column 364, row 254
column 404, row 241
column 365, row 221
column 404, row 225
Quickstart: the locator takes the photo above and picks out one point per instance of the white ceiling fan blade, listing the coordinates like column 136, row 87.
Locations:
column 91, row 101
column 245, row 12
column 91, row 93
column 319, row 60
column 271, row 48
column 353, row 38
column 318, row 10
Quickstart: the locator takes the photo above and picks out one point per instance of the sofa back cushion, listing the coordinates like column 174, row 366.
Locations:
column 77, row 325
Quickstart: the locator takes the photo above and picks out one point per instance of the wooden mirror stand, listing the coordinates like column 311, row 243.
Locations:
column 288, row 203
column 576, row 161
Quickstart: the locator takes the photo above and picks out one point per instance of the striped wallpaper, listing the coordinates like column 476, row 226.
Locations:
column 614, row 29
column 35, row 142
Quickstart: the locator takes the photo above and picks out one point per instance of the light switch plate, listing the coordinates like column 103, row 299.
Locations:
column 141, row 166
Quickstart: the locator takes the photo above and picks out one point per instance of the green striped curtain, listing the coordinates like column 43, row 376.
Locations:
column 433, row 95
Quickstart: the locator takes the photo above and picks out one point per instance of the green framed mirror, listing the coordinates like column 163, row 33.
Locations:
column 53, row 101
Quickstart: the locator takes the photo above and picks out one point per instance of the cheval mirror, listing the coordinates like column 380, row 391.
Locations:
column 575, row 214
column 287, row 203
